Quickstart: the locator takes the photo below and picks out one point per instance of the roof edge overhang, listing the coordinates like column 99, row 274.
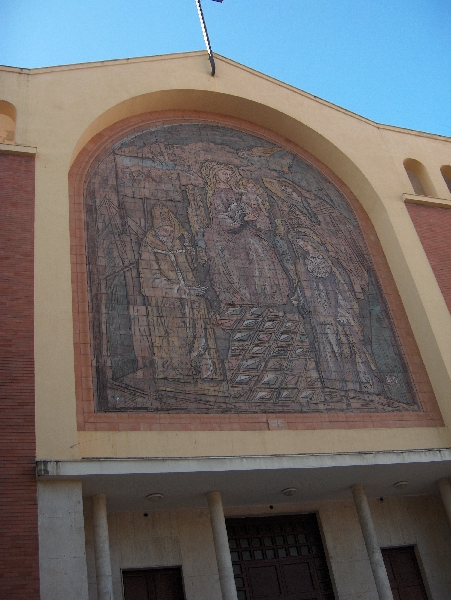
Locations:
column 153, row 465
column 251, row 481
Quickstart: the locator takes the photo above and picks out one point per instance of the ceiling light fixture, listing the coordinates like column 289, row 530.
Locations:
column 289, row 491
column 400, row 484
column 154, row 497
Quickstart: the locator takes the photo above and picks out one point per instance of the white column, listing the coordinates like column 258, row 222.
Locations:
column 444, row 485
column 102, row 548
column 371, row 543
column 226, row 578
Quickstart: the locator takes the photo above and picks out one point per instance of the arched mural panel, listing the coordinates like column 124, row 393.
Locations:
column 227, row 274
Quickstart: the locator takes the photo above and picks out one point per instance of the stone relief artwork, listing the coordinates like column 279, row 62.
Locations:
column 227, row 274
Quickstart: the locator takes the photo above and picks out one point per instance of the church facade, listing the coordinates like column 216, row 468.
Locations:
column 226, row 340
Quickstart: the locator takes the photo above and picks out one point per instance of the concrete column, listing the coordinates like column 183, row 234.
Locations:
column 62, row 557
column 444, row 485
column 226, row 578
column 371, row 543
column 102, row 548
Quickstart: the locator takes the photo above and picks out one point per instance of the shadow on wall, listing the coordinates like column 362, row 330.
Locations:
column 445, row 170
column 8, row 115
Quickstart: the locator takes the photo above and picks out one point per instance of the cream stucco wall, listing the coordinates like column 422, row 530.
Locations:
column 184, row 538
column 60, row 109
column 163, row 539
column 410, row 521
column 118, row 444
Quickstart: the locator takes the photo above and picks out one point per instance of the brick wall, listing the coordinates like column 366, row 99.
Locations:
column 433, row 225
column 19, row 564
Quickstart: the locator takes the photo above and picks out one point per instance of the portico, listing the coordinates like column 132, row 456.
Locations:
column 172, row 530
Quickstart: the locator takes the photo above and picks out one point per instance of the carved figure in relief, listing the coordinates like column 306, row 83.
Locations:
column 254, row 207
column 183, row 341
column 326, row 296
column 244, row 268
column 303, row 208
column 198, row 221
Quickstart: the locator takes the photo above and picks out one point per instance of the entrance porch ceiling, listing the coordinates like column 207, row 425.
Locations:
column 251, row 480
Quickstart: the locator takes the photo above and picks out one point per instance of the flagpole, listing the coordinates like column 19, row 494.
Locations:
column 206, row 38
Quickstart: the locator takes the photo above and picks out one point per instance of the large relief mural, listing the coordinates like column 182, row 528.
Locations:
column 227, row 274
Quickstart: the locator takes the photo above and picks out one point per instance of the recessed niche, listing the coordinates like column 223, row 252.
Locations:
column 7, row 122
column 419, row 178
column 445, row 170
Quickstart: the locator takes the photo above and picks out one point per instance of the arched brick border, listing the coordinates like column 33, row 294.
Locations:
column 89, row 420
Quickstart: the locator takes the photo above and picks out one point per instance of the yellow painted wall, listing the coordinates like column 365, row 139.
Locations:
column 60, row 109
column 119, row 444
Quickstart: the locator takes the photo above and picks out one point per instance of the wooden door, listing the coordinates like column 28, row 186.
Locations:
column 153, row 584
column 404, row 573
column 279, row 558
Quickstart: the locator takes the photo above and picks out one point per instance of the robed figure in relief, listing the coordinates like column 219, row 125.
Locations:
column 244, row 268
column 326, row 295
column 182, row 338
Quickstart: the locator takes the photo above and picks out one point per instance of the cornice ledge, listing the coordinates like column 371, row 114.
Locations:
column 16, row 149
column 426, row 200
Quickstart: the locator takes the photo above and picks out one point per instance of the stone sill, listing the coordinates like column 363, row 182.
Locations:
column 15, row 149
column 426, row 200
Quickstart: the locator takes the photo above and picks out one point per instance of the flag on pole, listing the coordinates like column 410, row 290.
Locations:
column 205, row 34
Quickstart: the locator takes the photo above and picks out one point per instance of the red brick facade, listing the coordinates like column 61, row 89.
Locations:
column 19, row 562
column 433, row 225
column 90, row 420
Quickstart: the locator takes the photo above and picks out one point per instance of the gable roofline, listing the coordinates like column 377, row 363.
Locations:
column 219, row 58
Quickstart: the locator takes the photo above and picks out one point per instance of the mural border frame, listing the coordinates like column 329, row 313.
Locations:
column 88, row 419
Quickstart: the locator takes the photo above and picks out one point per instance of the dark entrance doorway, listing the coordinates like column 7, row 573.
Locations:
column 279, row 558
column 404, row 573
column 153, row 584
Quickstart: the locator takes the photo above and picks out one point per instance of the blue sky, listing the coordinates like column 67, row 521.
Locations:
column 388, row 60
